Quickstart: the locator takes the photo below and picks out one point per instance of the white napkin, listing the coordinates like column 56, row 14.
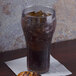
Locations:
column 56, row 68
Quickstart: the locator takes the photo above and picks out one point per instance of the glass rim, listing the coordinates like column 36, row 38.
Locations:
column 53, row 14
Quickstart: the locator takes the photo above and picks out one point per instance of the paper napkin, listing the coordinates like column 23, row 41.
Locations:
column 56, row 68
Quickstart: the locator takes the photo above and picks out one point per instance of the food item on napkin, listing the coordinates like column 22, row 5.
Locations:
column 28, row 73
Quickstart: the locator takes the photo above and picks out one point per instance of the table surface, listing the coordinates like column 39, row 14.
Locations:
column 65, row 52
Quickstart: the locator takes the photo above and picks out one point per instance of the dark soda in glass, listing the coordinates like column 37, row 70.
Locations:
column 38, row 24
